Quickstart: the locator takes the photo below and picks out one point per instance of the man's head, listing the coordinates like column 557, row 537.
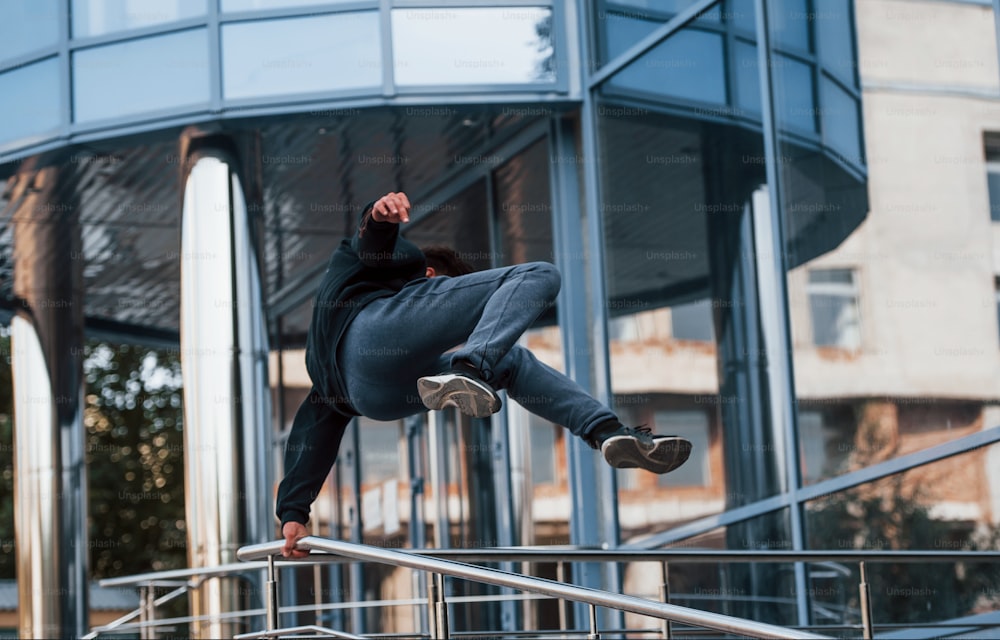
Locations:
column 445, row 261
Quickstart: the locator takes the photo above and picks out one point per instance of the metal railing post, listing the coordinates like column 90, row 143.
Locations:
column 271, row 622
column 665, row 598
column 866, row 604
column 144, row 599
column 594, row 633
column 442, row 609
column 563, row 604
column 432, row 598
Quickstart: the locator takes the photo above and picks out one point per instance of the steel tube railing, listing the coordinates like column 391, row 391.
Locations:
column 585, row 595
column 309, row 628
column 577, row 554
column 557, row 554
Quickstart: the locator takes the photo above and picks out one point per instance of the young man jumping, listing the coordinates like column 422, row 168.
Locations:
column 395, row 333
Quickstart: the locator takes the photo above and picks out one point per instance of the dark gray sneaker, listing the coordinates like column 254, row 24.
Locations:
column 637, row 448
column 453, row 389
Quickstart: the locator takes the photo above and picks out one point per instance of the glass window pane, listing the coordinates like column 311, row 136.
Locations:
column 623, row 31
column 150, row 74
column 841, row 125
column 834, row 276
column 523, row 206
column 834, row 29
column 27, row 25
column 993, row 181
column 35, row 106
column 796, row 108
column 941, row 506
column 472, row 46
column 693, row 321
column 97, row 17
column 998, row 303
column 827, row 436
column 692, row 425
column 742, row 15
column 747, row 77
column 661, row 6
column 379, row 450
column 543, row 451
column 790, row 21
column 461, row 223
column 301, row 55
column 835, row 321
column 251, row 5
column 688, row 65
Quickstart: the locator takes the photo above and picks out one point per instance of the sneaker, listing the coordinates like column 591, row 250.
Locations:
column 453, row 389
column 637, row 448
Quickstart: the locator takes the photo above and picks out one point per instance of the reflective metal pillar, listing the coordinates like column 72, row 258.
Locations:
column 224, row 361
column 50, row 497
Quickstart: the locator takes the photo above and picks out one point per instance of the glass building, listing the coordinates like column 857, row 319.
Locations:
column 777, row 226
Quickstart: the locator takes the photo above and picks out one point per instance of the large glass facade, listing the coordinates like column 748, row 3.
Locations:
column 778, row 240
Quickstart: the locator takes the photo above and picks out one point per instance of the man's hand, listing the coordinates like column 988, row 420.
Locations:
column 292, row 531
column 392, row 207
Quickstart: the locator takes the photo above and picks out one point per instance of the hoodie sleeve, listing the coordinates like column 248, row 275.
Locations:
column 310, row 452
column 379, row 245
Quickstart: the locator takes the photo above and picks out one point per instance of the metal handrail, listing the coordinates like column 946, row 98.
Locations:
column 539, row 554
column 581, row 554
column 592, row 597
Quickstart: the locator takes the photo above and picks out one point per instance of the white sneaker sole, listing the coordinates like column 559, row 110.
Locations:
column 665, row 454
column 469, row 396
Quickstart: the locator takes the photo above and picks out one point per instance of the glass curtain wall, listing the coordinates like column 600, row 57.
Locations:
column 893, row 322
column 681, row 158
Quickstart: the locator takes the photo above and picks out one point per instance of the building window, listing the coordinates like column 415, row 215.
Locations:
column 543, row 451
column 379, row 450
column 992, row 145
column 693, row 321
column 833, row 305
column 996, row 289
column 812, row 442
column 692, row 425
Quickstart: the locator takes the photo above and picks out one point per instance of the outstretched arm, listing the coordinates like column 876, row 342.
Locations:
column 310, row 452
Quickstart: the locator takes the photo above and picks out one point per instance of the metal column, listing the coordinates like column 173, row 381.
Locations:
column 593, row 487
column 226, row 415
column 50, row 501
column 773, row 297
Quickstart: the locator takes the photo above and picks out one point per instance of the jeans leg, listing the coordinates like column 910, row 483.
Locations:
column 507, row 314
column 395, row 340
column 549, row 394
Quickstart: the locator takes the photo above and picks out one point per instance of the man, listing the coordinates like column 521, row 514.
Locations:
column 395, row 333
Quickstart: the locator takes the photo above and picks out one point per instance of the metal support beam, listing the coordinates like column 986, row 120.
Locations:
column 592, row 521
column 773, row 299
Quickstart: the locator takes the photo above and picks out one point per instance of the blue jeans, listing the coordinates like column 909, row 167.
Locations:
column 394, row 341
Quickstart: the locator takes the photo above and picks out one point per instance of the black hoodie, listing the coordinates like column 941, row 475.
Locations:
column 374, row 263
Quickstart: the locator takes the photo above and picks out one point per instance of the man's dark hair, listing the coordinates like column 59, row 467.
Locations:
column 446, row 262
